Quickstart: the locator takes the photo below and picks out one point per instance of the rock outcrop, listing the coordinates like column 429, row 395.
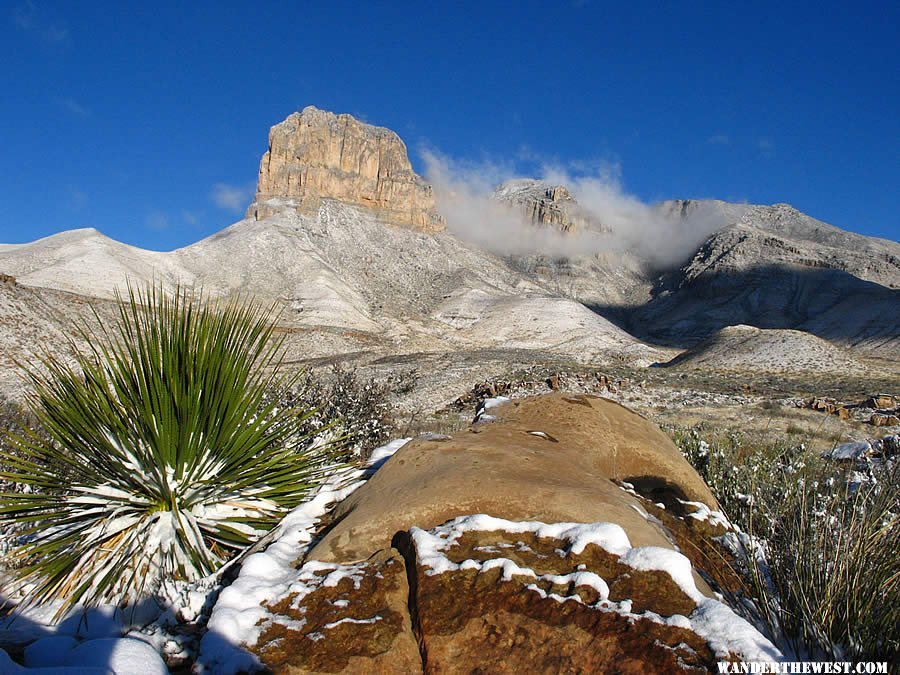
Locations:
column 545, row 204
column 315, row 155
column 566, row 534
column 550, row 458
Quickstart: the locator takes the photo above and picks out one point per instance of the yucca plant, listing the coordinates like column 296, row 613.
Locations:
column 159, row 454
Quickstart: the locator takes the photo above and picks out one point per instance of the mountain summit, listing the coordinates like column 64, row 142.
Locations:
column 315, row 155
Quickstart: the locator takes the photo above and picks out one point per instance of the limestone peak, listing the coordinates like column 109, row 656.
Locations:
column 316, row 154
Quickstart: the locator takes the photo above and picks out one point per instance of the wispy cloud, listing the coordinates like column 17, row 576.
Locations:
column 31, row 19
column 620, row 222
column 766, row 147
column 72, row 106
column 78, row 199
column 157, row 220
column 234, row 198
column 190, row 217
column 719, row 139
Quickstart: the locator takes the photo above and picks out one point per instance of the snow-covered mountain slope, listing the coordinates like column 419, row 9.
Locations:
column 87, row 262
column 778, row 268
column 356, row 282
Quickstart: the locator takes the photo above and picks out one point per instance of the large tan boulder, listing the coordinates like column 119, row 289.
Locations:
column 315, row 155
column 550, row 458
column 562, row 533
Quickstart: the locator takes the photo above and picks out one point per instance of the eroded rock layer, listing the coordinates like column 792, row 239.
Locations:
column 315, row 155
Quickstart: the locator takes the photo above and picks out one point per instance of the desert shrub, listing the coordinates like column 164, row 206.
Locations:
column 824, row 569
column 743, row 474
column 158, row 457
column 833, row 562
column 345, row 405
column 13, row 420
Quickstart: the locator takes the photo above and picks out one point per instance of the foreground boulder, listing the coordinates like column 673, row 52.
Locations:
column 562, row 533
column 551, row 458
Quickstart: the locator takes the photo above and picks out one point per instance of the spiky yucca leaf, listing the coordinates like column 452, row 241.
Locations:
column 159, row 456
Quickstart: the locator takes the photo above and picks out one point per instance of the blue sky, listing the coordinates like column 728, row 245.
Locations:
column 147, row 121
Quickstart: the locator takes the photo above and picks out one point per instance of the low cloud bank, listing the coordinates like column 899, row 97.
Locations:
column 621, row 222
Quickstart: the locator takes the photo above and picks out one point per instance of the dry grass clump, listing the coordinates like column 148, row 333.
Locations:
column 822, row 541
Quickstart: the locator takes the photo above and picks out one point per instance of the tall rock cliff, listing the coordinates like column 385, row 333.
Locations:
column 315, row 155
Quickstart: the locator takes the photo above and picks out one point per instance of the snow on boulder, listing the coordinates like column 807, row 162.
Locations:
column 568, row 534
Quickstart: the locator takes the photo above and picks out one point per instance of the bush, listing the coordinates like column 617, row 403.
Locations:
column 158, row 457
column 825, row 572
column 357, row 410
column 833, row 562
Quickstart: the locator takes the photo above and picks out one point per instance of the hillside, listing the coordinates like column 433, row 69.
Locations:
column 754, row 350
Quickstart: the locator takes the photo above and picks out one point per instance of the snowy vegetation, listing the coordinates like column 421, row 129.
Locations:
column 158, row 455
column 821, row 541
column 358, row 410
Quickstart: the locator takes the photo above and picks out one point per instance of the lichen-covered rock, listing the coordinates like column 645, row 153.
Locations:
column 315, row 155
column 347, row 619
column 538, row 599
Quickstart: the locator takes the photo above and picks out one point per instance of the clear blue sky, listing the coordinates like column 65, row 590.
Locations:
column 126, row 116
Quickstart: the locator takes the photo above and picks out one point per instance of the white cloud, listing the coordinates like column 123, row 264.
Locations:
column 29, row 19
column 233, row 198
column 78, row 199
column 157, row 220
column 55, row 34
column 719, row 139
column 622, row 222
column 766, row 147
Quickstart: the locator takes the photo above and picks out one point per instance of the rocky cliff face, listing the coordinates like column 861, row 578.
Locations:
column 545, row 204
column 315, row 155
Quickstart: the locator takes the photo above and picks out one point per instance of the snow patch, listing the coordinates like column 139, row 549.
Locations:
column 239, row 616
column 726, row 632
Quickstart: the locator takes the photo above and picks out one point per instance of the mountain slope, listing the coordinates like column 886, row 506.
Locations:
column 748, row 349
column 344, row 240
column 777, row 268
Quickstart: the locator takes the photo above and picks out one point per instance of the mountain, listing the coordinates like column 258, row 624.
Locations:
column 315, row 155
column 778, row 268
column 549, row 205
column 348, row 243
column 754, row 350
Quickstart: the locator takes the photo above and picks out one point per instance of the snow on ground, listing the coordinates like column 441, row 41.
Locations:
column 270, row 575
column 108, row 640
column 704, row 513
column 481, row 412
